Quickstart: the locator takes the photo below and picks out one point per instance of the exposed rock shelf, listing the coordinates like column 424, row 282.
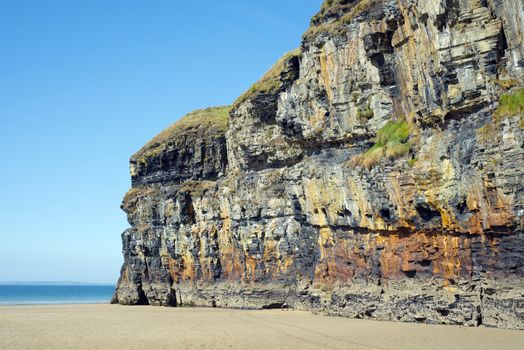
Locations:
column 377, row 172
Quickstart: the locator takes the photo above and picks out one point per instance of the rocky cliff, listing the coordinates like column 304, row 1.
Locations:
column 376, row 172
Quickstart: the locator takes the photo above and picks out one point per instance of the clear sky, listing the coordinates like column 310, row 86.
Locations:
column 84, row 84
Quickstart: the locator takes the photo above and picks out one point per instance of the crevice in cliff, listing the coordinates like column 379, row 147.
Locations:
column 410, row 273
column 378, row 50
column 450, row 15
column 480, row 307
column 427, row 213
column 261, row 162
column 402, row 232
column 142, row 297
column 171, row 297
column 502, row 47
column 460, row 111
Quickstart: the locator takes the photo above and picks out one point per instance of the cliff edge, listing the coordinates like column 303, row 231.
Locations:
column 376, row 172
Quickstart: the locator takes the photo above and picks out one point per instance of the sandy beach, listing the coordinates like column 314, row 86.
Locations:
column 119, row 327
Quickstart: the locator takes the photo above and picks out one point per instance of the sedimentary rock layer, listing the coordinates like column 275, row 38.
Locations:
column 376, row 172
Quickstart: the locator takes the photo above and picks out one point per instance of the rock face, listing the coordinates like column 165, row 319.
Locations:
column 375, row 173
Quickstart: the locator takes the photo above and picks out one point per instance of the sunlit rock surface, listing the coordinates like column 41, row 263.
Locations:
column 374, row 173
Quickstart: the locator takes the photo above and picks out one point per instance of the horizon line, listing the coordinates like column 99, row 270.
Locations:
column 63, row 283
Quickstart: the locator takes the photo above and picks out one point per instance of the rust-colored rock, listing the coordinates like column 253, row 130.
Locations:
column 297, row 201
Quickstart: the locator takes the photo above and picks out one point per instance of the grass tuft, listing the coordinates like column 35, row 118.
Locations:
column 364, row 115
column 510, row 105
column 393, row 132
column 412, row 162
column 391, row 142
column 398, row 150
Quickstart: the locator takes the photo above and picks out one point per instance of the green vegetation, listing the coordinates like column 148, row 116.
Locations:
column 391, row 141
column 331, row 8
column 207, row 121
column 364, row 115
column 329, row 3
column 412, row 161
column 270, row 82
column 393, row 132
column 510, row 105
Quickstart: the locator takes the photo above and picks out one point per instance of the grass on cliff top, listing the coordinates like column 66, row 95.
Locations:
column 270, row 82
column 331, row 8
column 391, row 141
column 135, row 193
column 212, row 120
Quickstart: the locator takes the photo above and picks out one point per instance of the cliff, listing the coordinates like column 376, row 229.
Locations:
column 376, row 172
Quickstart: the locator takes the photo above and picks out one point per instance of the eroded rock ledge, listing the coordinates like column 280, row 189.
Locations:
column 377, row 172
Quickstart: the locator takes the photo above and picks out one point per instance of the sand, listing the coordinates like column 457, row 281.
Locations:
column 120, row 327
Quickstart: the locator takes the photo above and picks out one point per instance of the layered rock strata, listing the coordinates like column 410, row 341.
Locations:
column 377, row 172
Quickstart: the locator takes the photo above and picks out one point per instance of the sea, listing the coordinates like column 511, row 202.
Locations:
column 42, row 294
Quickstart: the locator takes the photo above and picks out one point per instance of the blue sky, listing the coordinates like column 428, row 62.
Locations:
column 84, row 84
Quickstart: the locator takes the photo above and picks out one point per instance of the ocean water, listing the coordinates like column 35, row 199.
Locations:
column 55, row 294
